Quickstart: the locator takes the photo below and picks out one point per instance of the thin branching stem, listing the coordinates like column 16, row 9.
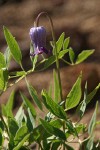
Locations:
column 55, row 46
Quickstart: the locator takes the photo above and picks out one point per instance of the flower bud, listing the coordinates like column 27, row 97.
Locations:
column 38, row 38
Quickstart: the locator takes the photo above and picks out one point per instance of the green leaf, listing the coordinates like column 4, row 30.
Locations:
column 30, row 121
column 90, row 142
column 1, row 137
column 9, row 105
column 50, row 90
column 71, row 55
column 93, row 121
column 83, row 55
column 71, row 128
column 55, row 145
column 92, row 94
column 13, row 45
column 49, row 61
column 7, row 56
column 34, row 60
column 56, row 87
column 34, row 96
column 19, row 116
column 80, row 128
column 62, row 53
column 3, row 79
column 20, row 134
column 13, row 126
column 28, row 104
column 52, row 130
column 22, row 141
column 36, row 134
column 82, row 106
column 17, row 73
column 66, row 43
column 53, row 107
column 56, row 123
column 2, row 61
column 98, row 122
column 59, row 43
column 74, row 95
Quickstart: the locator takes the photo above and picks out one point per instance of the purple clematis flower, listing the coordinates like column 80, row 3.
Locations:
column 38, row 37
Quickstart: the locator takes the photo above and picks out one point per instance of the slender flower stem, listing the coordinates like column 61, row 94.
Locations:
column 55, row 46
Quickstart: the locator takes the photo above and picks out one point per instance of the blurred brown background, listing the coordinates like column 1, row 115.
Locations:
column 80, row 20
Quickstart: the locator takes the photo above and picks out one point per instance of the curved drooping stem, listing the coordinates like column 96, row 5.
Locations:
column 36, row 23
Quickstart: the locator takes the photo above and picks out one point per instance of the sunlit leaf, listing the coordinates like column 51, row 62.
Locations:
column 59, row 43
column 74, row 95
column 62, row 53
column 13, row 46
column 66, row 43
column 71, row 55
column 9, row 105
column 2, row 61
column 83, row 55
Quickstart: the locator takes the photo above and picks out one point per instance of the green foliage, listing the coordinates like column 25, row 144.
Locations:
column 83, row 55
column 93, row 121
column 74, row 95
column 13, row 45
column 2, row 61
column 55, row 129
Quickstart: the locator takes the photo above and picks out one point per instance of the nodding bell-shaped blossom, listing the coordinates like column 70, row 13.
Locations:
column 38, row 38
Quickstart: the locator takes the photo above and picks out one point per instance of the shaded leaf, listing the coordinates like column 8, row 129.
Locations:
column 52, row 130
column 92, row 94
column 34, row 96
column 13, row 126
column 20, row 134
column 53, row 107
column 56, row 87
column 28, row 104
column 93, row 121
column 49, row 61
column 82, row 106
column 7, row 56
column 1, row 137
column 30, row 121
column 89, row 145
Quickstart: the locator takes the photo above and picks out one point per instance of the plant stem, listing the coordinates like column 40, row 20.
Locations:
column 55, row 47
